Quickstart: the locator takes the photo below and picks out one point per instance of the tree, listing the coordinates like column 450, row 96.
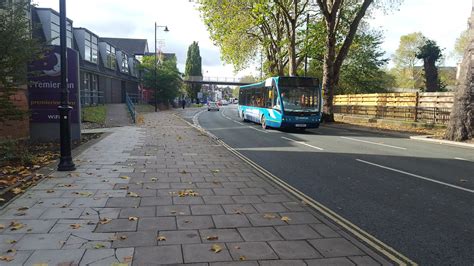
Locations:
column 430, row 53
column 168, row 78
column 362, row 71
column 461, row 122
column 242, row 29
column 461, row 44
column 193, row 68
column 17, row 49
column 405, row 60
column 342, row 20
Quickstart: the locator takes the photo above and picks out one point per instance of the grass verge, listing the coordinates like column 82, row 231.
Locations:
column 94, row 114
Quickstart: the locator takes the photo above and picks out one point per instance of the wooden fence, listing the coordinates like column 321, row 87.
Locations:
column 432, row 107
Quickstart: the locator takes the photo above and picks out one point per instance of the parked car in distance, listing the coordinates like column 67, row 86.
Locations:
column 225, row 102
column 211, row 106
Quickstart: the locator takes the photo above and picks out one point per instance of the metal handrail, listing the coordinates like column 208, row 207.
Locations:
column 131, row 107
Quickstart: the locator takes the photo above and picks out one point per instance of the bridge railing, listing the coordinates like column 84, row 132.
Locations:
column 212, row 79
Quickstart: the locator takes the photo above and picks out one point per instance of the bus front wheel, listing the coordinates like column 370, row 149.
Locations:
column 242, row 116
column 263, row 121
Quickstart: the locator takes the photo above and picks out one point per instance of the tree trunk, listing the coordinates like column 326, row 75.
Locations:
column 329, row 81
column 431, row 75
column 461, row 122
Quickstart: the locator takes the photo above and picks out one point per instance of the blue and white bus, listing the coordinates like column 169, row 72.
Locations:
column 282, row 102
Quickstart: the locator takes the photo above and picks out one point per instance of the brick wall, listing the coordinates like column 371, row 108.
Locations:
column 19, row 128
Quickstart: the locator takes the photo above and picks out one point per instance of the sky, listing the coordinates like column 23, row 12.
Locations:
column 440, row 20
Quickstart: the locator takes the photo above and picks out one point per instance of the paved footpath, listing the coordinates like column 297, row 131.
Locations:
column 165, row 193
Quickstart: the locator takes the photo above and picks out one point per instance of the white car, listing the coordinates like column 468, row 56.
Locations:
column 212, row 106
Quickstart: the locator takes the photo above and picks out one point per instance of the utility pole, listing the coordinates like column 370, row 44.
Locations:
column 65, row 161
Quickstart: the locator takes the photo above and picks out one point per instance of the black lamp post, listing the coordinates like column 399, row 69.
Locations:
column 156, row 66
column 65, row 162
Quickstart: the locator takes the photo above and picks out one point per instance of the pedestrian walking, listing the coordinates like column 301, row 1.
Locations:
column 183, row 103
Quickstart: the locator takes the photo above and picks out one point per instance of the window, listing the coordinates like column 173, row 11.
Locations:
column 110, row 55
column 90, row 50
column 55, row 31
column 124, row 67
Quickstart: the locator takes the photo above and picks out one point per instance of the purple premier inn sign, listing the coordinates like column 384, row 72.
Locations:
column 44, row 88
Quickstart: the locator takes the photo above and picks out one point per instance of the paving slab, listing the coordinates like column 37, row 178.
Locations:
column 165, row 193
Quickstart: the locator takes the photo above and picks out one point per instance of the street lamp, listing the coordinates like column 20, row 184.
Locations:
column 65, row 162
column 156, row 65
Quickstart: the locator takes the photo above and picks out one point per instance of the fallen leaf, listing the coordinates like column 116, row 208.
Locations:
column 161, row 238
column 236, row 247
column 154, row 179
column 215, row 171
column 133, row 194
column 49, row 191
column 216, row 248
column 123, row 237
column 127, row 259
column 242, row 258
column 12, row 250
column 99, row 246
column 463, row 180
column 16, row 226
column 17, row 191
column 133, row 218
column 6, row 258
column 124, row 188
column 125, row 177
column 212, row 238
column 285, row 219
column 11, row 241
column 105, row 221
column 269, row 216
column 2, row 226
column 22, row 209
column 20, row 214
column 75, row 226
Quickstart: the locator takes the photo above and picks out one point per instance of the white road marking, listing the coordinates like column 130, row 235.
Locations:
column 263, row 131
column 238, row 122
column 302, row 143
column 375, row 143
column 462, row 159
column 417, row 176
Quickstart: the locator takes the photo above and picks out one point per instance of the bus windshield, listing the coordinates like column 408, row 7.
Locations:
column 300, row 99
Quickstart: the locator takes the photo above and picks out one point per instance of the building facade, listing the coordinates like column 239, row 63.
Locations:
column 109, row 69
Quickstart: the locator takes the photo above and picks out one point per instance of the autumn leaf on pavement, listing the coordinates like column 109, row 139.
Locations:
column 2, row 226
column 154, row 179
column 75, row 226
column 242, row 258
column 17, row 191
column 133, row 218
column 99, row 246
column 216, row 248
column 12, row 250
column 22, row 209
column 269, row 216
column 212, row 238
column 16, row 226
column 124, row 237
column 215, row 171
column 285, row 219
column 125, row 177
column 161, row 238
column 127, row 259
column 105, row 221
column 133, row 194
column 6, row 258
column 11, row 241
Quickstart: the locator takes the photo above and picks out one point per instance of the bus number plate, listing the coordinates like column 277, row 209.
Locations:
column 300, row 125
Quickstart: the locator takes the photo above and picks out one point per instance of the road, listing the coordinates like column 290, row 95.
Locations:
column 417, row 197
